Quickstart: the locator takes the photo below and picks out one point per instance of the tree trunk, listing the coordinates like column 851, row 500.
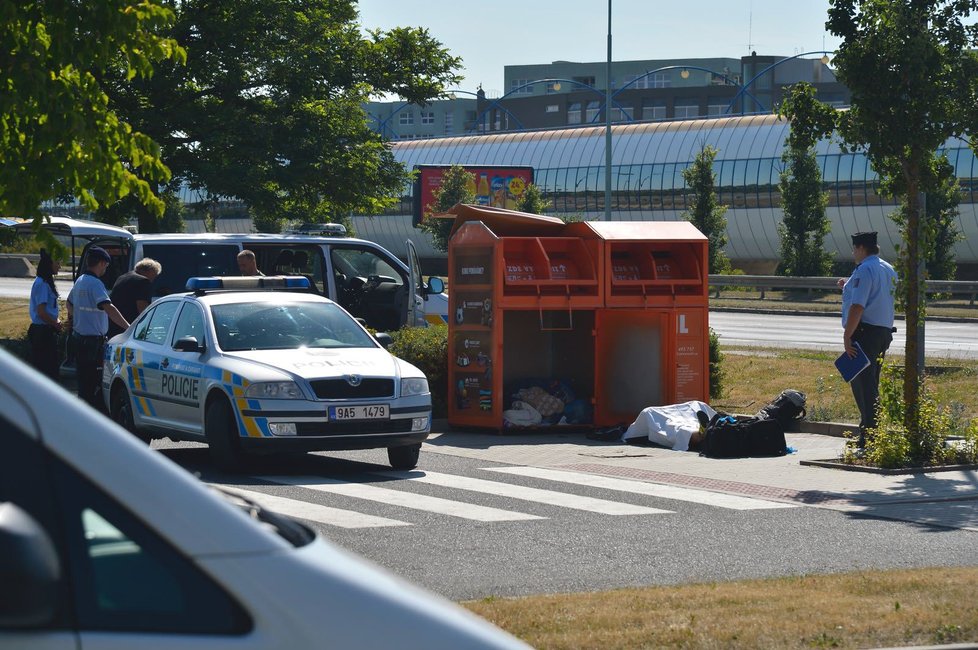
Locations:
column 912, row 367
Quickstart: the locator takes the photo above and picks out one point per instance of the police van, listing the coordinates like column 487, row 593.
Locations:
column 364, row 278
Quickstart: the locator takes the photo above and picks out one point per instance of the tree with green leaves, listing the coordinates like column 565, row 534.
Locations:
column 939, row 221
column 456, row 187
column 804, row 227
column 912, row 70
column 60, row 136
column 268, row 108
column 705, row 211
column 533, row 201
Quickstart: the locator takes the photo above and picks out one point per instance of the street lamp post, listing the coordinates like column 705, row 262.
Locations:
column 607, row 127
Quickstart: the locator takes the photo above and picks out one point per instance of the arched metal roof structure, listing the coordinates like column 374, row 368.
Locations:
column 647, row 163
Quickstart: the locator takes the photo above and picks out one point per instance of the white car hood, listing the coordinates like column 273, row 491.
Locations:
column 320, row 363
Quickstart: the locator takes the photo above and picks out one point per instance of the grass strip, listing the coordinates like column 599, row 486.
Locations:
column 853, row 610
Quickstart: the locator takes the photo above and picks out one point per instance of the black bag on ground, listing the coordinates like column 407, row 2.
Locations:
column 729, row 437
column 786, row 408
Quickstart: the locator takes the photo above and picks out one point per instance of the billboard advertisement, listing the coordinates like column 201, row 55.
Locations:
column 493, row 185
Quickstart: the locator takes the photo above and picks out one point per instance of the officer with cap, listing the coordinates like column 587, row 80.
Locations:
column 867, row 318
column 90, row 309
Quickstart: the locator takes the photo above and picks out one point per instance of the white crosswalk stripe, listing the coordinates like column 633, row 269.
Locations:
column 691, row 495
column 317, row 513
column 549, row 497
column 403, row 499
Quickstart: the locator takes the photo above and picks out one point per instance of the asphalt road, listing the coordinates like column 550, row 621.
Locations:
column 942, row 339
column 480, row 540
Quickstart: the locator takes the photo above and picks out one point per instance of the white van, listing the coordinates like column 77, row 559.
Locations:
column 105, row 544
column 363, row 277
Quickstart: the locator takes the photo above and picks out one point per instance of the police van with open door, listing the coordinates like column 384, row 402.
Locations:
column 366, row 279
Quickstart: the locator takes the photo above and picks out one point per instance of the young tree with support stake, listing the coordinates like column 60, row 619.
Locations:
column 912, row 72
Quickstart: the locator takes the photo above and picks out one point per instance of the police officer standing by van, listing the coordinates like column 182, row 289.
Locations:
column 867, row 316
column 90, row 309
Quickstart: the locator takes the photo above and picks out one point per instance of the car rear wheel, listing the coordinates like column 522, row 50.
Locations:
column 121, row 413
column 404, row 457
column 222, row 435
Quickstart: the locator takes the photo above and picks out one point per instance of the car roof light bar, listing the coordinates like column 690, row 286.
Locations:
column 248, row 283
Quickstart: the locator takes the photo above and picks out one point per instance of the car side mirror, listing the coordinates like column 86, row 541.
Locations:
column 188, row 344
column 435, row 284
column 384, row 339
column 29, row 571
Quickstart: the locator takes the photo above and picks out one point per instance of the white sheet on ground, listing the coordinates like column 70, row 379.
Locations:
column 670, row 426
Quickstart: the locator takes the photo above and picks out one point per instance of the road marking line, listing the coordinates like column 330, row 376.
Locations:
column 549, row 497
column 704, row 497
column 317, row 513
column 402, row 499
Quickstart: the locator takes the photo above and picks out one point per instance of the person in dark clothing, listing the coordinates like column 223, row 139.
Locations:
column 45, row 325
column 133, row 291
column 90, row 310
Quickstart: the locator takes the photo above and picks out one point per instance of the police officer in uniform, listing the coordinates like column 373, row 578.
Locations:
column 867, row 317
column 90, row 309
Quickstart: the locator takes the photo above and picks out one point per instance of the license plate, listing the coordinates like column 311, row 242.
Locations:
column 361, row 412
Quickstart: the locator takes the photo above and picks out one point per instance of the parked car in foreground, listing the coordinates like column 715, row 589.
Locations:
column 106, row 544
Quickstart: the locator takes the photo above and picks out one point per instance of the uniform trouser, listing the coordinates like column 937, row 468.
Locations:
column 88, row 365
column 44, row 349
column 875, row 341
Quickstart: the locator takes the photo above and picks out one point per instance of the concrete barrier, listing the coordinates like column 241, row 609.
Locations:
column 16, row 266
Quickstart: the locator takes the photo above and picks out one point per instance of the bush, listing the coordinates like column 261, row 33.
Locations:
column 426, row 348
column 717, row 375
column 889, row 446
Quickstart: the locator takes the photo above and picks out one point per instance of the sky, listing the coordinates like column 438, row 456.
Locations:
column 491, row 35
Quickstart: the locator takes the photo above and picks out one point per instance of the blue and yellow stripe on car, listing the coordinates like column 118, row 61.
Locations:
column 235, row 385
column 135, row 379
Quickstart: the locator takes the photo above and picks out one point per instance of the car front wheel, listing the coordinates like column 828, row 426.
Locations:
column 121, row 413
column 222, row 435
column 404, row 457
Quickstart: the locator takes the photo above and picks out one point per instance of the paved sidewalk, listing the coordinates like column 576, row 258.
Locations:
column 939, row 498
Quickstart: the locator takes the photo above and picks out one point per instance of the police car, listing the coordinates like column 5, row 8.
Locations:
column 248, row 370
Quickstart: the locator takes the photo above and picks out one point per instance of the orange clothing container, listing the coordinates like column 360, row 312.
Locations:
column 616, row 312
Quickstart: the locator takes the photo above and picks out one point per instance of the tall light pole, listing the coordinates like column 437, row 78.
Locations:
column 607, row 127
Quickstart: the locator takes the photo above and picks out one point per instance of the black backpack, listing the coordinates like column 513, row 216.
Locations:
column 787, row 408
column 730, row 437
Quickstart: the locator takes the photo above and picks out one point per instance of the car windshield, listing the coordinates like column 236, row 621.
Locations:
column 286, row 325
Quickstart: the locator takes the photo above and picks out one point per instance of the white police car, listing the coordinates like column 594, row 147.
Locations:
column 247, row 370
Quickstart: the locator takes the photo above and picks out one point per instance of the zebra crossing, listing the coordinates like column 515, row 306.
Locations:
column 461, row 508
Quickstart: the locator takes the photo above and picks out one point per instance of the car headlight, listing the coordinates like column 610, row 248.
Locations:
column 274, row 390
column 414, row 386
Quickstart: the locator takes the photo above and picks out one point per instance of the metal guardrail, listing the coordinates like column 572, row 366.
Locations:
column 765, row 283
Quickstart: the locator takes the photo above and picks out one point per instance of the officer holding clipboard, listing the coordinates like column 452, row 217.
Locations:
column 867, row 319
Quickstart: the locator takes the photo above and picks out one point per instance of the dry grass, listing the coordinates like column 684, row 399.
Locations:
column 755, row 377
column 14, row 318
column 865, row 609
